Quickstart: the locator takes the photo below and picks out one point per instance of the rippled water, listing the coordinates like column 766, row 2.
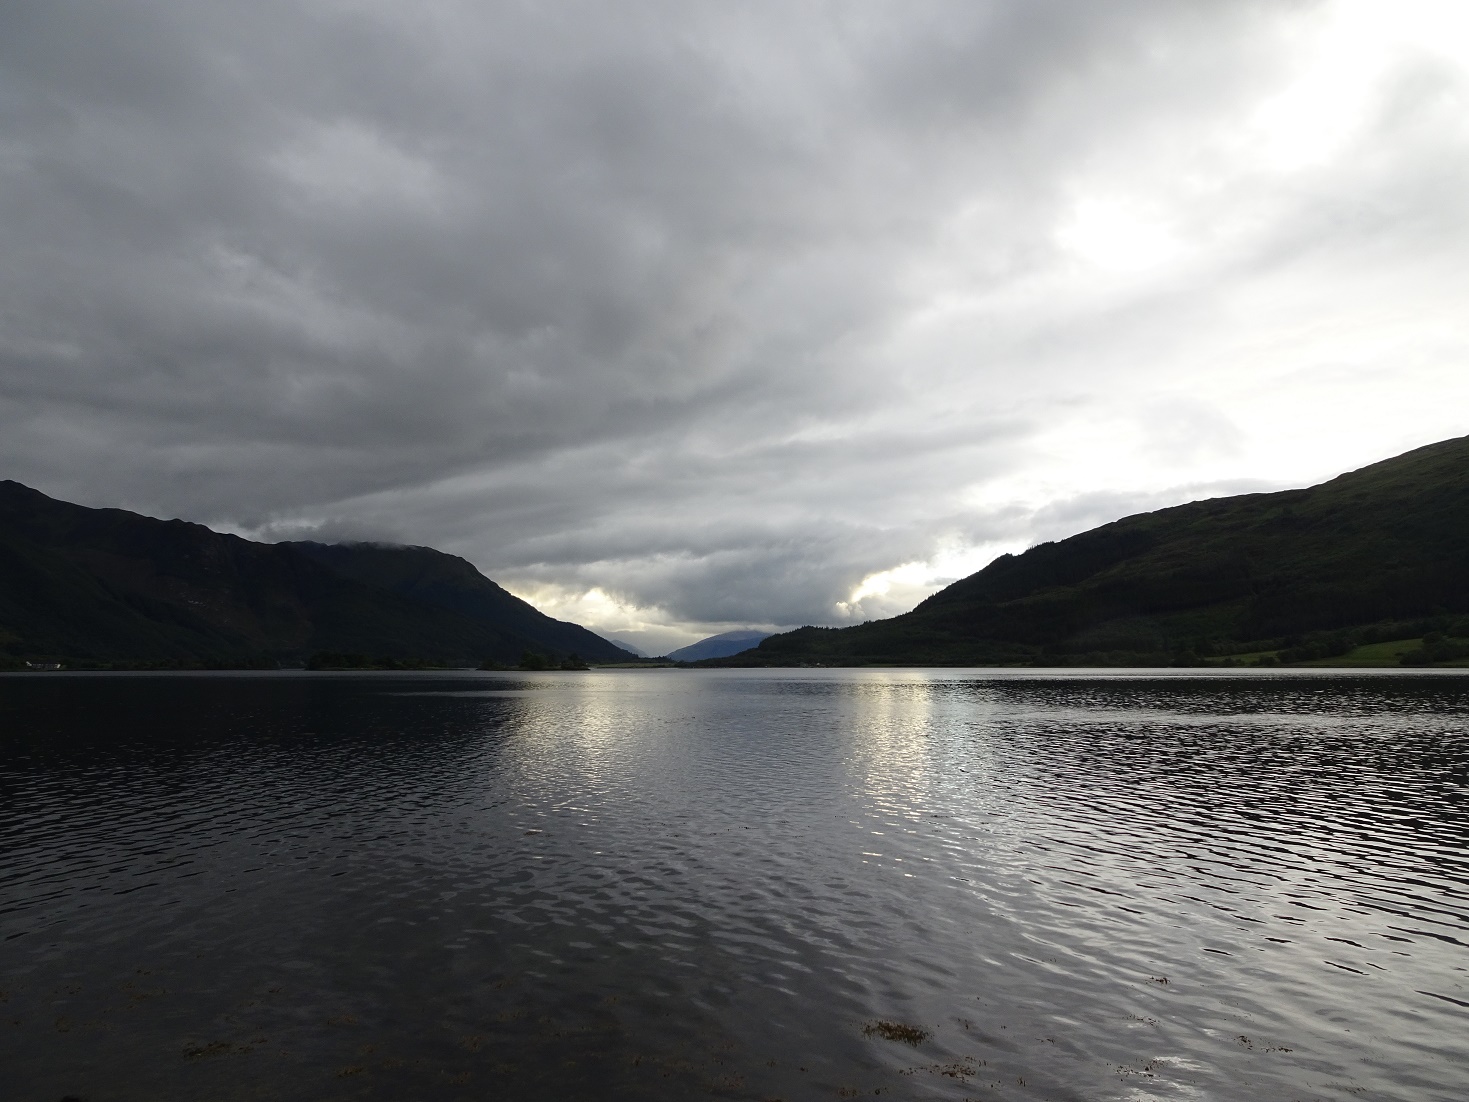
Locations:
column 670, row 884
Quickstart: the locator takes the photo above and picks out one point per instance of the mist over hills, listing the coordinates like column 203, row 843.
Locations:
column 1371, row 553
column 107, row 586
column 630, row 647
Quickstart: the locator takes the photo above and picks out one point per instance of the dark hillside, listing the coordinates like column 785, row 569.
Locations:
column 110, row 586
column 432, row 577
column 1387, row 543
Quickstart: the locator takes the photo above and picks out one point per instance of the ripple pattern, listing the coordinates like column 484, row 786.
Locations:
column 739, row 884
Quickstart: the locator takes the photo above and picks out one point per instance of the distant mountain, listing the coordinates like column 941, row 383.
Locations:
column 632, row 648
column 1379, row 553
column 719, row 646
column 110, row 586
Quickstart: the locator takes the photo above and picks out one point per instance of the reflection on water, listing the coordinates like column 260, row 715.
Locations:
column 662, row 884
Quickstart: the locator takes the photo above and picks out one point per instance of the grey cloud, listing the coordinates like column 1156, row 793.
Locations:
column 606, row 296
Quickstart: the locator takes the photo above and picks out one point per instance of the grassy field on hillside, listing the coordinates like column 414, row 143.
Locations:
column 1386, row 655
column 1371, row 654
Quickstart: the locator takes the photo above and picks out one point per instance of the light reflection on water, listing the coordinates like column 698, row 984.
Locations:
column 657, row 884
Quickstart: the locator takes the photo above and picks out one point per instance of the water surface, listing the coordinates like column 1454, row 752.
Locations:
column 675, row 884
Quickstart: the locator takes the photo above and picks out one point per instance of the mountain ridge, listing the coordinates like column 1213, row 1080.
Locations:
column 724, row 645
column 1385, row 544
column 108, row 586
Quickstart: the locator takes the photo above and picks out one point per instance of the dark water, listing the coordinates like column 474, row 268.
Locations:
column 670, row 885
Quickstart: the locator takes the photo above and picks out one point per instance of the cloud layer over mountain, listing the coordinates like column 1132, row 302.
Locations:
column 680, row 316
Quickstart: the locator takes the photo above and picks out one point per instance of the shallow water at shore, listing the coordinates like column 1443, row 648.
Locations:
column 664, row 883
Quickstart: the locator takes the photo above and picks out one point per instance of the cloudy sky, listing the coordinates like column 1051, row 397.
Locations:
column 680, row 317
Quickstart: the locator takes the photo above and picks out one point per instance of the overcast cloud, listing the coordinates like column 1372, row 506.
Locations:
column 679, row 317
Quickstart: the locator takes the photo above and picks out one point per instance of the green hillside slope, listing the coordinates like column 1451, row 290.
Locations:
column 1383, row 548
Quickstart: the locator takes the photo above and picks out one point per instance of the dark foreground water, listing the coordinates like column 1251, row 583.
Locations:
column 672, row 885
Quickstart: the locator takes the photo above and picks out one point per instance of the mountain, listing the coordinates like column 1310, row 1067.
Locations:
column 431, row 577
column 719, row 646
column 106, row 586
column 632, row 648
column 1378, row 553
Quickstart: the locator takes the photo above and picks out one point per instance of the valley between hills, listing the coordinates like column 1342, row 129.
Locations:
column 1369, row 569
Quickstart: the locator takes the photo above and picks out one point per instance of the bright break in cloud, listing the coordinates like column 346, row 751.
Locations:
column 682, row 317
